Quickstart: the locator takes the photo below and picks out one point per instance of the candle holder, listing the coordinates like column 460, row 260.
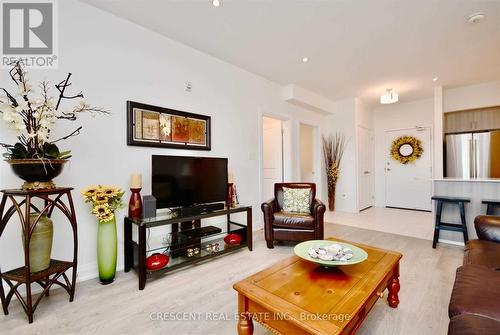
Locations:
column 135, row 203
column 229, row 199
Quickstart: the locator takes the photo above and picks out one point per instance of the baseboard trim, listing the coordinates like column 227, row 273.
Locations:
column 462, row 244
column 88, row 271
column 410, row 209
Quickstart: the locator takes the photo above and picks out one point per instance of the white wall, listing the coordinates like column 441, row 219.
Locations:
column 472, row 96
column 343, row 121
column 114, row 61
column 392, row 117
column 306, row 144
column 438, row 159
column 364, row 114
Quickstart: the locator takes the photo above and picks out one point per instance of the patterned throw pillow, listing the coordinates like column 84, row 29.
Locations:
column 296, row 200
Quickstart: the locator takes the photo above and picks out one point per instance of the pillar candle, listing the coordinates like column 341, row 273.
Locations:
column 230, row 178
column 136, row 180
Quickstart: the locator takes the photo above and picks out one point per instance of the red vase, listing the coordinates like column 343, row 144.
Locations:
column 232, row 239
column 135, row 204
column 156, row 261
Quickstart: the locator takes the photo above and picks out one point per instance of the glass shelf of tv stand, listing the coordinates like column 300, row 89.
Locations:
column 234, row 227
column 200, row 242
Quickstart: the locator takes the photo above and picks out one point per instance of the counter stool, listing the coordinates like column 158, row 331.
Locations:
column 491, row 205
column 439, row 225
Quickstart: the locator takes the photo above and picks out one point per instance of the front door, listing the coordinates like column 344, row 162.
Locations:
column 409, row 185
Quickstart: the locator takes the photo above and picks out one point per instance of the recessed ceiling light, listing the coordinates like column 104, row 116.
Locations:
column 435, row 79
column 216, row 3
column 305, row 60
column 389, row 98
column 476, row 17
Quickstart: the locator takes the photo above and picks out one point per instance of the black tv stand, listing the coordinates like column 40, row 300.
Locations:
column 200, row 209
column 187, row 231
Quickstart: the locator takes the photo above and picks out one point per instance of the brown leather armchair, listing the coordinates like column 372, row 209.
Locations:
column 279, row 225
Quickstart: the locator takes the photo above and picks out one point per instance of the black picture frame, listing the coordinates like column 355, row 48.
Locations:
column 180, row 130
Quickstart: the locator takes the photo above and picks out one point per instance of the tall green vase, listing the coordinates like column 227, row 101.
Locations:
column 106, row 251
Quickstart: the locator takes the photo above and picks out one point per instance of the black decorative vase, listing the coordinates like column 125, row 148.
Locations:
column 37, row 173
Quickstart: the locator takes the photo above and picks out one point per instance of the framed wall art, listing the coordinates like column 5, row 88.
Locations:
column 153, row 126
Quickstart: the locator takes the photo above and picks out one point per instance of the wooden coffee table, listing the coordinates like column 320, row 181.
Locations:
column 295, row 296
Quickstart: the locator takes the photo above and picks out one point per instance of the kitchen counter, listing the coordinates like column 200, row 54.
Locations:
column 478, row 180
column 477, row 190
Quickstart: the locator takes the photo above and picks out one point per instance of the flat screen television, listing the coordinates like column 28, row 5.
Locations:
column 188, row 181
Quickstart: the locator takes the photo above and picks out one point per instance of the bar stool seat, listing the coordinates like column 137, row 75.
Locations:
column 491, row 205
column 440, row 225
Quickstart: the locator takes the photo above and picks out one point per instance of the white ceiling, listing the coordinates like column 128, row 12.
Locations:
column 355, row 48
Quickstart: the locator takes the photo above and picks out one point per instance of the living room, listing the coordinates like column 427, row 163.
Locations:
column 386, row 82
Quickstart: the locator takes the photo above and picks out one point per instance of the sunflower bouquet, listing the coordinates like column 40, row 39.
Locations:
column 105, row 200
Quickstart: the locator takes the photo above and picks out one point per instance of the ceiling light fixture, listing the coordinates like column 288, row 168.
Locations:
column 476, row 17
column 217, row 3
column 389, row 98
column 435, row 79
column 305, row 60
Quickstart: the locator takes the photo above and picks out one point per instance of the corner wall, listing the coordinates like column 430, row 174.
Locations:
column 112, row 61
column 471, row 96
column 343, row 121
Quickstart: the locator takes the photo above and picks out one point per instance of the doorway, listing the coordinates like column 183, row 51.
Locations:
column 307, row 153
column 409, row 185
column 366, row 182
column 272, row 155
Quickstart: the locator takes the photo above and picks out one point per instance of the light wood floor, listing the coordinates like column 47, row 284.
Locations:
column 417, row 224
column 427, row 277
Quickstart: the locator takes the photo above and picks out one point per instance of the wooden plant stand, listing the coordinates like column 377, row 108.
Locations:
column 22, row 204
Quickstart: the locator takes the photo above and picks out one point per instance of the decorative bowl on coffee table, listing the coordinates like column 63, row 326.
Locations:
column 358, row 254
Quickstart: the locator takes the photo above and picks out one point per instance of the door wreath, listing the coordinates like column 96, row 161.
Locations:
column 406, row 149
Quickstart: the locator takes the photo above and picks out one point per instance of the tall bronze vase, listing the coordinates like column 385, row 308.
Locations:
column 331, row 197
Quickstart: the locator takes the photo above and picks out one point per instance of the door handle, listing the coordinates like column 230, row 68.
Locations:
column 471, row 159
column 366, row 172
column 388, row 169
column 475, row 159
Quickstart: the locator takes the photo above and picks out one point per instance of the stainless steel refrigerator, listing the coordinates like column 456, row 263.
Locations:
column 473, row 155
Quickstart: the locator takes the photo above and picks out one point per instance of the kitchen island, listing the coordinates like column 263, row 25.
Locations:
column 477, row 190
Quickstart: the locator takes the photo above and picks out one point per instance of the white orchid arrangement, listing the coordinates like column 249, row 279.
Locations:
column 33, row 119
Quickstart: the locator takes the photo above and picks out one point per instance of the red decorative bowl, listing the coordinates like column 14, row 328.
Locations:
column 232, row 239
column 156, row 261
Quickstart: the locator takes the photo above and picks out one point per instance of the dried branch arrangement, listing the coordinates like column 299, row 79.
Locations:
column 33, row 119
column 333, row 150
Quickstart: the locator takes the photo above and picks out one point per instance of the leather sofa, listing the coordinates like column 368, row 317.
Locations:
column 279, row 225
column 475, row 301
